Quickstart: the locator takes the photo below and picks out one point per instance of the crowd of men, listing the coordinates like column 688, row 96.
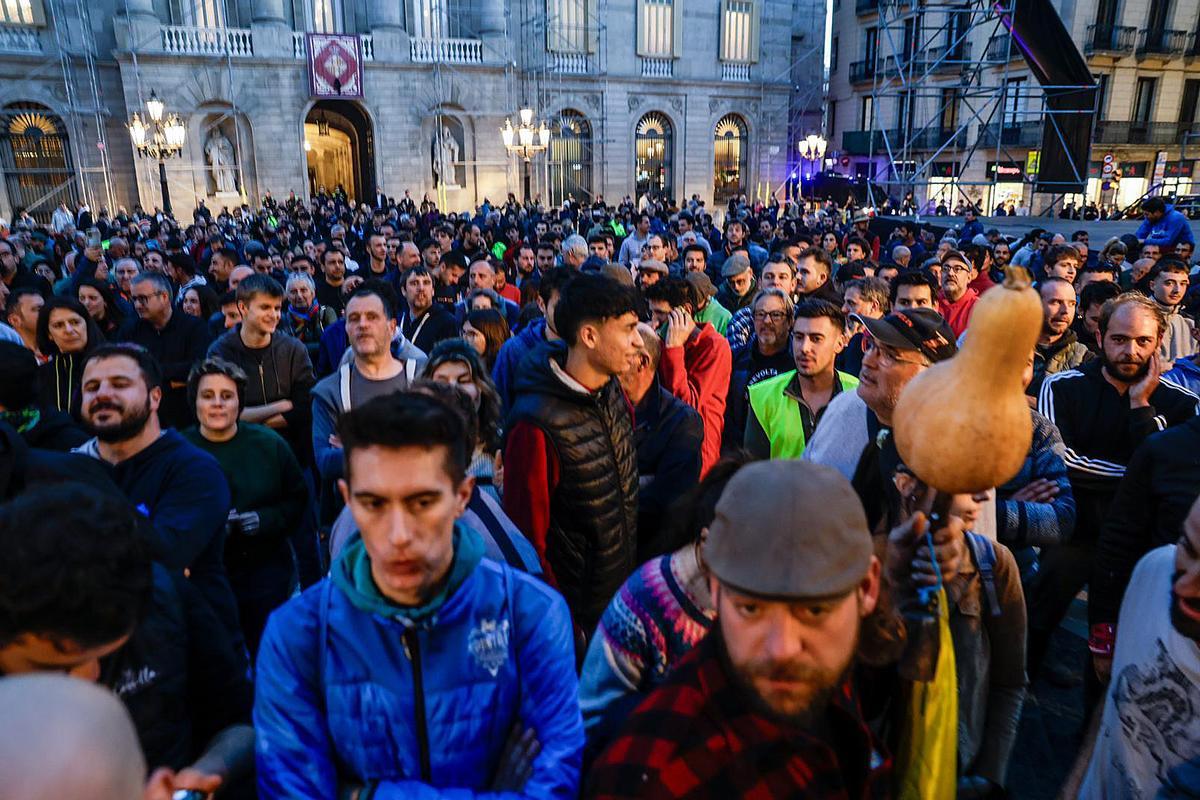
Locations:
column 354, row 501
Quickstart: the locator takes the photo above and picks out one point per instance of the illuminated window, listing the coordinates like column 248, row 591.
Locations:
column 571, row 158
column 654, row 147
column 729, row 158
column 659, row 28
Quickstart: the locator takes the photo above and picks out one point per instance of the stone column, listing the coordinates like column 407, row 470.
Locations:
column 141, row 8
column 385, row 16
column 491, row 17
column 268, row 12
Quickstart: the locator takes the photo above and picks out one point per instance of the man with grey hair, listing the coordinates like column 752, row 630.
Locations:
column 176, row 340
column 901, row 255
column 63, row 737
column 124, row 271
column 574, row 252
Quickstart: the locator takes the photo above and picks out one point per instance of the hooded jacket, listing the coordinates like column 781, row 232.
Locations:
column 510, row 356
column 589, row 546
column 410, row 703
column 279, row 371
column 1169, row 231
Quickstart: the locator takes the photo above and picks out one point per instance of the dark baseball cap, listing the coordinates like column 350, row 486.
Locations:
column 789, row 529
column 919, row 329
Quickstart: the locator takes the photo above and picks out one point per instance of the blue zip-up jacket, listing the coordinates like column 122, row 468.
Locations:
column 1186, row 373
column 418, row 712
column 511, row 354
column 1169, row 231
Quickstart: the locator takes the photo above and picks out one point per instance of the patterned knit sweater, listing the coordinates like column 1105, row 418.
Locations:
column 650, row 624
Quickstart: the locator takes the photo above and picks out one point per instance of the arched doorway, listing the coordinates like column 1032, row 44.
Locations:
column 571, row 158
column 35, row 157
column 339, row 148
column 729, row 158
column 654, row 148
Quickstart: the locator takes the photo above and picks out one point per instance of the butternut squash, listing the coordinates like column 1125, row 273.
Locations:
column 963, row 425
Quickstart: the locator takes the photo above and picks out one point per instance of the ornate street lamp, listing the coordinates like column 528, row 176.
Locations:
column 162, row 139
column 812, row 148
column 526, row 140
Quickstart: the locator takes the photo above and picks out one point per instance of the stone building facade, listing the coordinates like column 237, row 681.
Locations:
column 670, row 97
column 1144, row 56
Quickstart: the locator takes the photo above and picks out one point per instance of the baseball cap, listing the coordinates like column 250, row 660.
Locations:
column 920, row 329
column 736, row 264
column 701, row 283
column 789, row 529
column 652, row 265
column 593, row 264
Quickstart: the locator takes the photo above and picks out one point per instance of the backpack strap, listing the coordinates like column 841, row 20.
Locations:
column 344, row 383
column 983, row 553
column 410, row 368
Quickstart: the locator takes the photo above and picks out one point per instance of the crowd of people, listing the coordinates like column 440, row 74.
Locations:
column 354, row 501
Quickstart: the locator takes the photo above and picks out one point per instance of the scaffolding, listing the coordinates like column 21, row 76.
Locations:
column 42, row 178
column 950, row 63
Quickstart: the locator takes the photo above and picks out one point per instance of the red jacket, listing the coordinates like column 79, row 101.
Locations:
column 958, row 314
column 698, row 374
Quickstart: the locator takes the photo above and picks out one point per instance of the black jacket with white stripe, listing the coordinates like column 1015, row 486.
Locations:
column 1100, row 432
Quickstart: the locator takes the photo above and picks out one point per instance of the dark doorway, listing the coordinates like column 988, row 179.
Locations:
column 339, row 148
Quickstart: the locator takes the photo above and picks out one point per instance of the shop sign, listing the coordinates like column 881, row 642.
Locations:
column 1178, row 169
column 1006, row 171
column 1133, row 169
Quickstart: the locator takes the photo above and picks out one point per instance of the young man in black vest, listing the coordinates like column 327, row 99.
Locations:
column 570, row 455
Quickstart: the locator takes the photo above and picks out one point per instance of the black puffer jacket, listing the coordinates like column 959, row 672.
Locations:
column 591, row 545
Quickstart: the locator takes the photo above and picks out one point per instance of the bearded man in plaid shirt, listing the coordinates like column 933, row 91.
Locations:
column 765, row 707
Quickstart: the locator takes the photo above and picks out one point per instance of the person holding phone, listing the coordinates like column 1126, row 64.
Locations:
column 696, row 360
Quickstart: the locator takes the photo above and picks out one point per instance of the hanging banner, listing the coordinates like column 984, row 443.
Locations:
column 334, row 65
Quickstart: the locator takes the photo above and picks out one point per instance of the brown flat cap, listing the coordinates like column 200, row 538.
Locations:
column 789, row 529
column 701, row 283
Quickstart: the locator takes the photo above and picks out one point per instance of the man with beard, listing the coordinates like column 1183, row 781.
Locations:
column 1104, row 410
column 178, row 489
column 424, row 322
column 1149, row 735
column 792, row 576
column 779, row 275
column 785, row 410
column 764, row 356
column 957, row 299
column 1169, row 284
column 1057, row 348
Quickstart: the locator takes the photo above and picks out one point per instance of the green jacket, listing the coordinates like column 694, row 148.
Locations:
column 778, row 411
column 715, row 314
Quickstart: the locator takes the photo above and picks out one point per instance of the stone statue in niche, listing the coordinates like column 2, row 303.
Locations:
column 222, row 161
column 445, row 156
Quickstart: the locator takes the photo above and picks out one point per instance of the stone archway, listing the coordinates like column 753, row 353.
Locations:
column 339, row 147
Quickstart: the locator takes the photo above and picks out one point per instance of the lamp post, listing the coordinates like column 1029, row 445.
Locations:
column 161, row 139
column 526, row 140
column 812, row 148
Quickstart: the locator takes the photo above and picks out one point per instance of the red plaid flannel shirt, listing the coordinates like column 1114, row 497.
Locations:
column 696, row 736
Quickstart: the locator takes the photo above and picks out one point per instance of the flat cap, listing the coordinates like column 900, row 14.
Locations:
column 653, row 265
column 701, row 283
column 789, row 529
column 736, row 264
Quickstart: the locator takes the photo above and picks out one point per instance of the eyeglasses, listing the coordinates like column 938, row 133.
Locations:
column 956, row 268
column 774, row 316
column 887, row 355
column 142, row 299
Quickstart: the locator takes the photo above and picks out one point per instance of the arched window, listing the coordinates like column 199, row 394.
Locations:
column 729, row 158
column 654, row 148
column 36, row 159
column 571, row 158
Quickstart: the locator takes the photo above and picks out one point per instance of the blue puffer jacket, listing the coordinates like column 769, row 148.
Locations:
column 345, row 696
column 1169, row 231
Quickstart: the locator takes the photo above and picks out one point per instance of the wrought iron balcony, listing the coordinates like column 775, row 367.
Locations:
column 1015, row 134
column 1002, row 49
column 862, row 71
column 1112, row 39
column 1109, row 131
column 1162, row 43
